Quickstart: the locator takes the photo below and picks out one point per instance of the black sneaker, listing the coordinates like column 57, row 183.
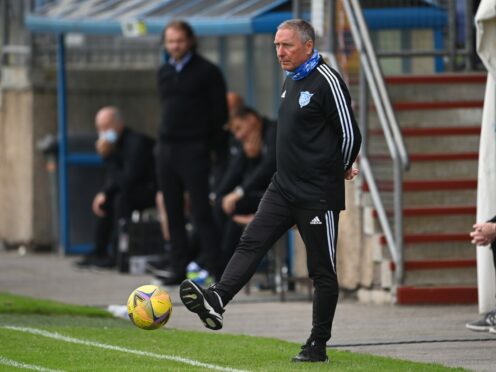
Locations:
column 204, row 302
column 312, row 351
column 484, row 324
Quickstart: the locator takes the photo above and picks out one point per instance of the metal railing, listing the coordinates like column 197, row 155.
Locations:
column 371, row 78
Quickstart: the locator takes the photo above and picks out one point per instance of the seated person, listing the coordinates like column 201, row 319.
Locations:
column 251, row 166
column 130, row 181
column 234, row 101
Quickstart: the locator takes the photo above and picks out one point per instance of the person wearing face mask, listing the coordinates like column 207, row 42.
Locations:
column 130, row 181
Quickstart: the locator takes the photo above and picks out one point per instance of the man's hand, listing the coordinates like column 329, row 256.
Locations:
column 253, row 144
column 351, row 173
column 229, row 202
column 98, row 202
column 243, row 219
column 103, row 147
column 484, row 233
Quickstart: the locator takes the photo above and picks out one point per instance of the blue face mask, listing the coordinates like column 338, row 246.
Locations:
column 109, row 135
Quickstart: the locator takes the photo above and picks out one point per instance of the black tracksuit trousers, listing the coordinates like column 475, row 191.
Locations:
column 318, row 228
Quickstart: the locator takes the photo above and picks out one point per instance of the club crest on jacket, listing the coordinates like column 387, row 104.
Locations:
column 304, row 98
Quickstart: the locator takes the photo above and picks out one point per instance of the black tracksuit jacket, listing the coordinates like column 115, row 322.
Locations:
column 317, row 140
column 130, row 167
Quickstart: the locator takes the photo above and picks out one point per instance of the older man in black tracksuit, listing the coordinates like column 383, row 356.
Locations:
column 194, row 110
column 317, row 143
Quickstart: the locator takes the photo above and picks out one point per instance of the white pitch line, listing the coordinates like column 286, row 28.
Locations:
column 58, row 336
column 15, row 363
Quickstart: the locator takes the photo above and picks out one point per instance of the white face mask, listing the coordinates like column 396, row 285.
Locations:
column 109, row 135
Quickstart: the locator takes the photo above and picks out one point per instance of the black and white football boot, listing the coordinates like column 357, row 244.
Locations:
column 204, row 302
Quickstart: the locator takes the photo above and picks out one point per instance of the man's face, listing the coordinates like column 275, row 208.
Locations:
column 107, row 121
column 241, row 128
column 291, row 51
column 176, row 43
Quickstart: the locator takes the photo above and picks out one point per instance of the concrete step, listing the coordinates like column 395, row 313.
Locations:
column 425, row 192
column 439, row 144
column 453, row 116
column 414, row 88
column 426, row 198
column 418, row 295
column 439, row 272
column 426, row 250
column 434, row 271
column 448, row 250
column 426, row 166
column 442, row 197
column 430, row 140
column 427, row 220
column 443, row 166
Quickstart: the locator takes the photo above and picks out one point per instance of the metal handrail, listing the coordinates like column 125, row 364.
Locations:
column 379, row 79
column 372, row 75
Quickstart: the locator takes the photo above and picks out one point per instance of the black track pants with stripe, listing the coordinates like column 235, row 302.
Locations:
column 318, row 228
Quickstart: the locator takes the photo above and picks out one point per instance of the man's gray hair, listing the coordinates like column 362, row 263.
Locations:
column 301, row 26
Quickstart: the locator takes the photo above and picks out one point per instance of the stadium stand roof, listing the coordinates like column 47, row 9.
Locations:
column 208, row 17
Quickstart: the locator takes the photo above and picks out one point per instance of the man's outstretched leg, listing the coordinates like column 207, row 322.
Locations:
column 272, row 219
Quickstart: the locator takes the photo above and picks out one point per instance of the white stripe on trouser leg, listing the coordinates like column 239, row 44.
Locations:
column 330, row 238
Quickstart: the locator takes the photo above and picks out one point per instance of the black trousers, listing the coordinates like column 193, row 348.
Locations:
column 119, row 206
column 185, row 166
column 231, row 231
column 318, row 229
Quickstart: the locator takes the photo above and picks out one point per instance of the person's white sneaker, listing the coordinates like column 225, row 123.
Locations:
column 492, row 330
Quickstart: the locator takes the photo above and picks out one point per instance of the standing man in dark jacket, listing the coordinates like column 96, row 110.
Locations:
column 317, row 142
column 194, row 111
column 130, row 181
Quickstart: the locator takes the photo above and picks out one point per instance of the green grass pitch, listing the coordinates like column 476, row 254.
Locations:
column 50, row 336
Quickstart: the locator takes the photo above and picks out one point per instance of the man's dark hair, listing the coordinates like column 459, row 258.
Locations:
column 183, row 26
column 243, row 112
